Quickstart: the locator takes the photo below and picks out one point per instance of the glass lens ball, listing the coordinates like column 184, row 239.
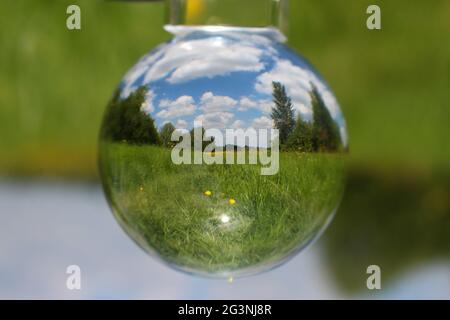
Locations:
column 221, row 152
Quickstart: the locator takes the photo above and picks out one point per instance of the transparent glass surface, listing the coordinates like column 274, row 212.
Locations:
column 265, row 197
column 255, row 13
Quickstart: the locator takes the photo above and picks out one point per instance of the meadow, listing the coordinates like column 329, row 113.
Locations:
column 220, row 218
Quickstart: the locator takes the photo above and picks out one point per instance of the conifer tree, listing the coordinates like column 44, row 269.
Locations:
column 326, row 136
column 283, row 112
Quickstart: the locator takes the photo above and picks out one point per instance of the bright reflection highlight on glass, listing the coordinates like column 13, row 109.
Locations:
column 224, row 218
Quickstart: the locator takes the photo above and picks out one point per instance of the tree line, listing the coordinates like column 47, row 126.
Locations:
column 126, row 122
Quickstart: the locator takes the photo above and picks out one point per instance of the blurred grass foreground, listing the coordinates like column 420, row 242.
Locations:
column 393, row 86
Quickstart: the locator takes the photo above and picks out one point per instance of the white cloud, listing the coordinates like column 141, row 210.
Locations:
column 127, row 90
column 141, row 67
column 238, row 124
column 211, row 103
column 186, row 60
column 147, row 105
column 181, row 124
column 183, row 106
column 265, row 105
column 293, row 77
column 216, row 120
column 262, row 123
column 246, row 103
column 305, row 112
column 130, row 78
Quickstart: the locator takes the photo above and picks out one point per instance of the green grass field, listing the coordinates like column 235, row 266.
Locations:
column 164, row 207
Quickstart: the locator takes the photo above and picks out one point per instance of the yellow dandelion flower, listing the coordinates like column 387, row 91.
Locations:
column 141, row 188
column 207, row 193
column 231, row 201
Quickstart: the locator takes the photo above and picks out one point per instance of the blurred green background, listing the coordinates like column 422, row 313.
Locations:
column 393, row 86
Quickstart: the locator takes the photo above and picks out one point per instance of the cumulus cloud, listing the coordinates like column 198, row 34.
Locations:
column 238, row 124
column 147, row 105
column 182, row 106
column 265, row 105
column 293, row 77
column 303, row 110
column 247, row 103
column 181, row 124
column 130, row 78
column 127, row 90
column 211, row 103
column 217, row 120
column 262, row 123
column 186, row 60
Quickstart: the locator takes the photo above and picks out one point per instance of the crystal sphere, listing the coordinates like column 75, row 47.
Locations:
column 221, row 152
